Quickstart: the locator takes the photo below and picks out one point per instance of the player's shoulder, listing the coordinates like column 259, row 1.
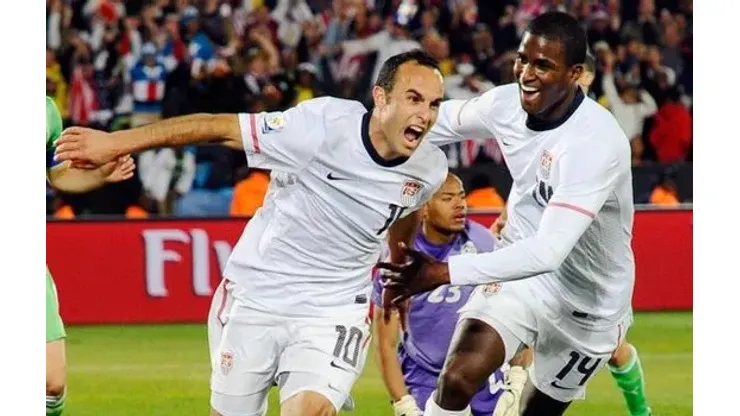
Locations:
column 596, row 120
column 51, row 106
column 331, row 108
column 498, row 103
column 430, row 162
column 598, row 132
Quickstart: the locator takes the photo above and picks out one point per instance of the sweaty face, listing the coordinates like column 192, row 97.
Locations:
column 447, row 209
column 543, row 75
column 410, row 109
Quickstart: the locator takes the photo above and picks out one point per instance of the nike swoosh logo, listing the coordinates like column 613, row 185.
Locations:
column 333, row 364
column 557, row 386
column 331, row 177
column 505, row 143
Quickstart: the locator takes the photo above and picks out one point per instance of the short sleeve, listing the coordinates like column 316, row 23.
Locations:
column 284, row 141
column 440, row 168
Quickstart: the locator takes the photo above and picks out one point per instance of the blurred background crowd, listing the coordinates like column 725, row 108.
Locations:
column 116, row 64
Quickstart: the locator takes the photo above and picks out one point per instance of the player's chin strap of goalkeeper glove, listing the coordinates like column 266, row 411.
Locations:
column 406, row 406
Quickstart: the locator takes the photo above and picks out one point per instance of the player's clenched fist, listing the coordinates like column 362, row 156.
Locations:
column 85, row 146
column 421, row 274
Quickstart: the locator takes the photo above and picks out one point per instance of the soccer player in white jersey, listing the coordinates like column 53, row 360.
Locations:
column 294, row 307
column 562, row 280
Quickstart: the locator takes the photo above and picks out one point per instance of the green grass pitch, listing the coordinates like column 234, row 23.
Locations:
column 163, row 370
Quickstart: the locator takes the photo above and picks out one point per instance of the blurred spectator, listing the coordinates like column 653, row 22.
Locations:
column 395, row 39
column 672, row 130
column 306, row 83
column 169, row 176
column 148, row 82
column 466, row 83
column 483, row 195
column 249, row 193
column 630, row 107
column 83, row 93
column 645, row 28
column 56, row 86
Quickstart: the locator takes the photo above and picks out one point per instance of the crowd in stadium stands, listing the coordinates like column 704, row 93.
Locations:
column 116, row 64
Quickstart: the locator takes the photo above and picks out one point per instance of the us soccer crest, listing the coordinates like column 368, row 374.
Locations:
column 410, row 193
column 492, row 288
column 545, row 165
column 227, row 362
column 468, row 248
column 273, row 122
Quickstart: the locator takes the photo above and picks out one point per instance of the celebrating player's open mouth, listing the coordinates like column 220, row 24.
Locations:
column 530, row 95
column 412, row 134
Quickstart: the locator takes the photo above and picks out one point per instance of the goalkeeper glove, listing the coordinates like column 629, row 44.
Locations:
column 406, row 406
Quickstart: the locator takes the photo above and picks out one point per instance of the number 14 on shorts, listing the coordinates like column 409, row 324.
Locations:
column 580, row 367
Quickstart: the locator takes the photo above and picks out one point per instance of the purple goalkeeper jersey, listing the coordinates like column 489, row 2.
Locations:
column 432, row 316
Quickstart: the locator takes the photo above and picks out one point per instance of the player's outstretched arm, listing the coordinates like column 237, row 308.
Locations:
column 386, row 336
column 97, row 147
column 67, row 178
column 460, row 120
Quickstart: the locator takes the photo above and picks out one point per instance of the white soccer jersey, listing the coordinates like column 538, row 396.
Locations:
column 310, row 249
column 570, row 210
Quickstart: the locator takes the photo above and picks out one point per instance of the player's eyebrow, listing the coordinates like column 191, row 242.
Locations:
column 413, row 91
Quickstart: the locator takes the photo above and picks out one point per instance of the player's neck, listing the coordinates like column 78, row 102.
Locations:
column 560, row 114
column 379, row 140
column 436, row 236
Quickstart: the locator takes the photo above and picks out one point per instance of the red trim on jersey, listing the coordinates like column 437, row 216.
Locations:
column 574, row 208
column 253, row 128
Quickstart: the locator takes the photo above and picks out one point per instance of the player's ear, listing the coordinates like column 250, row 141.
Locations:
column 575, row 72
column 379, row 97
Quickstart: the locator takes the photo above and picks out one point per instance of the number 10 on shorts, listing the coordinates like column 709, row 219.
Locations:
column 348, row 344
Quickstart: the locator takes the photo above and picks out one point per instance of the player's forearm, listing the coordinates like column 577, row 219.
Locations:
column 403, row 230
column 559, row 231
column 181, row 131
column 387, row 358
column 67, row 179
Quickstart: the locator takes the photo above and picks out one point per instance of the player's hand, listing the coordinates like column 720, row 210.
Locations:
column 118, row 170
column 420, row 274
column 406, row 406
column 85, row 146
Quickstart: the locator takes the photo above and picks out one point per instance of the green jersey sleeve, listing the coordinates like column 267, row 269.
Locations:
column 53, row 123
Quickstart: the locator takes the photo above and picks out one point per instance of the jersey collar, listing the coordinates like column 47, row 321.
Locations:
column 365, row 131
column 543, row 125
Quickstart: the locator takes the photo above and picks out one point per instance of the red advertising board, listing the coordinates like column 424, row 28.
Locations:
column 147, row 271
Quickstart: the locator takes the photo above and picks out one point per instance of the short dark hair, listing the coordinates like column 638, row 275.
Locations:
column 387, row 76
column 563, row 28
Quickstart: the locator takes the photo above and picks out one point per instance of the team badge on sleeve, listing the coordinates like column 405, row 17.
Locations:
column 410, row 193
column 273, row 122
column 492, row 289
